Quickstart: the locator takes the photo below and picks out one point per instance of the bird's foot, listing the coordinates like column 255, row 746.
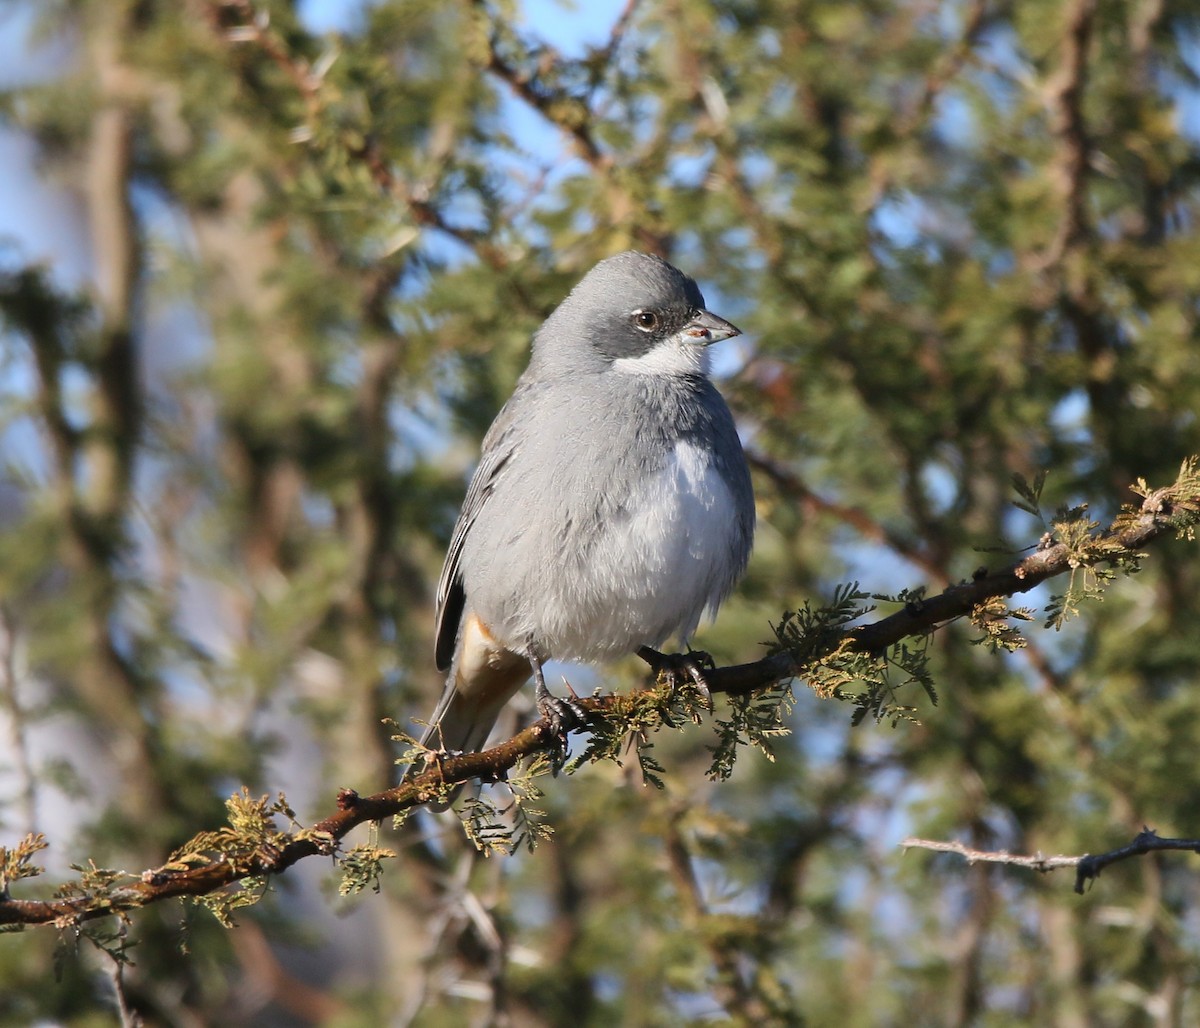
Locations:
column 564, row 715
column 679, row 669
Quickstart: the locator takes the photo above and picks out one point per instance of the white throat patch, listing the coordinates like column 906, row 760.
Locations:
column 670, row 357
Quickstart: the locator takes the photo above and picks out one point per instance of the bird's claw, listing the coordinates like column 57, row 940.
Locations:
column 677, row 669
column 564, row 715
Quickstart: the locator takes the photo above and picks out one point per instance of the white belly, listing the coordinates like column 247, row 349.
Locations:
column 651, row 570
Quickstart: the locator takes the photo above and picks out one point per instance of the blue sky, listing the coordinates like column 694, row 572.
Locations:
column 566, row 25
column 34, row 213
column 44, row 221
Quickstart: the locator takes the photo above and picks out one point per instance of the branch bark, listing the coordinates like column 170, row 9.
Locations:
column 1163, row 511
column 1131, row 534
column 1087, row 867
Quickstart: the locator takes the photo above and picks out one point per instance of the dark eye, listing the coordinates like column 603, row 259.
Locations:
column 647, row 321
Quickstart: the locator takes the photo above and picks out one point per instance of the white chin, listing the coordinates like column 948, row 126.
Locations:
column 667, row 358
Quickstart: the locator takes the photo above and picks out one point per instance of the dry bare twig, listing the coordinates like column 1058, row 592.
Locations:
column 1087, row 867
column 1163, row 511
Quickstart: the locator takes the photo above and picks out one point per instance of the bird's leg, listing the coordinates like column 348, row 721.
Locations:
column 674, row 666
column 564, row 715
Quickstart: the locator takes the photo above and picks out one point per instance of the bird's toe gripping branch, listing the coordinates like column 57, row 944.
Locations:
column 564, row 714
column 678, row 669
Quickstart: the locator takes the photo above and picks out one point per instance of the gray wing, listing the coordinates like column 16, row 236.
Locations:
column 498, row 447
column 731, row 461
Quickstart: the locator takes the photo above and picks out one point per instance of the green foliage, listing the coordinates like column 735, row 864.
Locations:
column 753, row 720
column 1176, row 503
column 815, row 639
column 362, row 866
column 962, row 243
column 250, row 839
column 249, row 842
column 16, row 862
column 225, row 903
column 97, row 886
column 1030, row 493
column 993, row 618
column 503, row 830
column 625, row 728
column 810, row 633
column 1088, row 547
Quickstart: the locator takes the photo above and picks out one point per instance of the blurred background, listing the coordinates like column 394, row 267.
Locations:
column 268, row 270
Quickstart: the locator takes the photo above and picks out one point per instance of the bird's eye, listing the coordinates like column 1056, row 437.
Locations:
column 647, row 321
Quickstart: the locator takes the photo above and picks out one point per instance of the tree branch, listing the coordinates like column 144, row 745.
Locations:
column 1134, row 529
column 1174, row 508
column 1087, row 867
column 1036, row 861
column 868, row 527
column 571, row 113
column 1065, row 91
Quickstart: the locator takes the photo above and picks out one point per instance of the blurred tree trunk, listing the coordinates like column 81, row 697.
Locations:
column 962, row 242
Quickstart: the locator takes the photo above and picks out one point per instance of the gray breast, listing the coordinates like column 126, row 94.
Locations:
column 622, row 514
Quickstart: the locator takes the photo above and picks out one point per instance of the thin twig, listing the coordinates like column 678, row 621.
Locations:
column 1131, row 533
column 1035, row 861
column 130, row 1018
column 858, row 519
column 1146, row 841
column 1087, row 867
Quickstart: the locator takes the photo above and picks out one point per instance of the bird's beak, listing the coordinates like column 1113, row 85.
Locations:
column 706, row 328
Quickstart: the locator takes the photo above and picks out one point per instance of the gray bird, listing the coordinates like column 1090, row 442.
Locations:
column 611, row 507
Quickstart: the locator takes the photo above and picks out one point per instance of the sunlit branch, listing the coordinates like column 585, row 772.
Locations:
column 1087, row 867
column 1163, row 512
